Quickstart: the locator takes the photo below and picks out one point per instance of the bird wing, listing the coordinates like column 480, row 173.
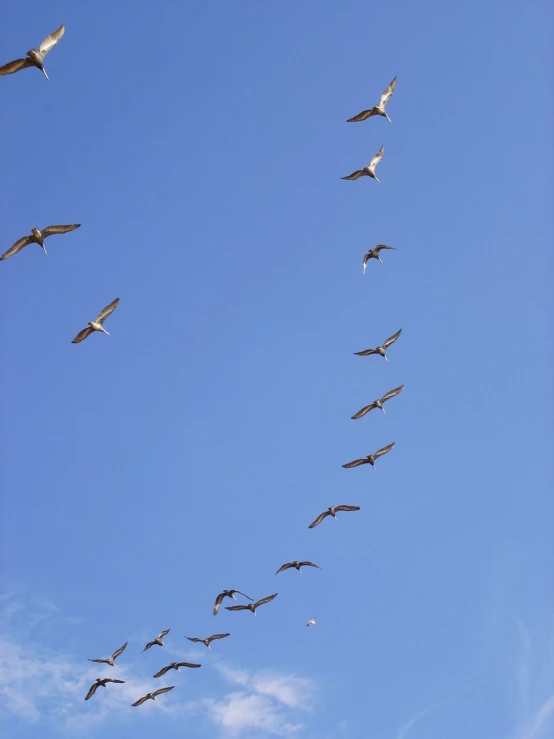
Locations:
column 141, row 700
column 91, row 691
column 113, row 680
column 384, row 450
column 150, row 644
column 16, row 65
column 164, row 670
column 82, row 335
column 362, row 116
column 387, row 93
column 18, row 246
column 163, row 633
column 355, row 175
column 119, row 651
column 237, row 608
column 99, row 661
column 366, row 352
column 363, row 411
column 392, row 339
column 319, row 519
column 309, row 564
column 347, row 508
column 218, row 602
column 186, row 664
column 241, row 593
column 51, row 230
column 392, row 393
column 217, row 636
column 265, row 600
column 101, row 318
column 286, row 566
column 376, row 159
column 379, row 247
column 355, row 463
column 193, row 638
column 50, row 41
column 159, row 691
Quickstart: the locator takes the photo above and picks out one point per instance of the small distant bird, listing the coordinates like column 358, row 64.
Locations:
column 381, row 350
column 157, row 640
column 368, row 171
column 38, row 237
column 227, row 594
column 152, row 696
column 378, row 109
column 100, row 681
column 97, row 324
column 175, row 666
column 311, row 622
column 378, row 403
column 332, row 511
column 252, row 606
column 374, row 254
column 370, row 459
column 35, row 57
column 208, row 639
column 298, row 565
column 111, row 660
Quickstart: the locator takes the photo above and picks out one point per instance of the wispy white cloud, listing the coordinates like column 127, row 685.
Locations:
column 405, row 729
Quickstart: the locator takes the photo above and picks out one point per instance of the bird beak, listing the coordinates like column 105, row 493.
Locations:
column 43, row 248
column 379, row 258
column 104, row 330
column 44, row 73
column 378, row 180
column 384, row 411
column 388, row 119
column 386, row 358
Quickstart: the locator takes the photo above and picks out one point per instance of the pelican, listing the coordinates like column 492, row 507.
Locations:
column 252, row 606
column 368, row 171
column 381, row 350
column 227, row 594
column 378, row 403
column 207, row 641
column 370, row 459
column 97, row 324
column 35, row 57
column 157, row 640
column 374, row 254
column 111, row 660
column 175, row 666
column 100, row 681
column 38, row 237
column 152, row 696
column 332, row 511
column 311, row 622
column 297, row 565
column 378, row 109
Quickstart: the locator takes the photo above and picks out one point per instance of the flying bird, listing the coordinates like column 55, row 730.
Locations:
column 100, row 681
column 97, row 324
column 111, row 660
column 157, row 640
column 38, row 237
column 378, row 403
column 332, row 511
column 35, row 57
column 175, row 666
column 378, row 109
column 370, row 459
column 374, row 254
column 368, row 171
column 227, row 594
column 311, row 622
column 297, row 565
column 152, row 696
column 208, row 639
column 252, row 606
column 381, row 350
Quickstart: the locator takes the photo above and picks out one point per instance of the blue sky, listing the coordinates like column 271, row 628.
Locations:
column 201, row 147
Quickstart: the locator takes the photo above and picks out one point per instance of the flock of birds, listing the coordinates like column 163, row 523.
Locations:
column 35, row 58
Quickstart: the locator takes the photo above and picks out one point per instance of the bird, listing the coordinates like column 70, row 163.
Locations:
column 152, row 696
column 298, row 565
column 208, row 639
column 157, row 640
column 370, row 459
column 381, row 350
column 111, row 660
column 378, row 109
column 374, row 254
column 38, row 237
column 369, row 171
column 35, row 57
column 252, row 606
column 175, row 666
column 378, row 403
column 311, row 622
column 227, row 594
column 97, row 324
column 100, row 681
column 332, row 511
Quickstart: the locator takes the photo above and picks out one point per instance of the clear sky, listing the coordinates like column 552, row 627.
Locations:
column 201, row 147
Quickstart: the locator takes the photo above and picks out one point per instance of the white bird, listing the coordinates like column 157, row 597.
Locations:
column 311, row 622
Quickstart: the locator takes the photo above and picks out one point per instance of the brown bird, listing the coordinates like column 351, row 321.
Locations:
column 378, row 109
column 38, row 237
column 370, row 459
column 97, row 324
column 252, row 606
column 368, row 171
column 332, row 511
column 381, row 350
column 111, row 660
column 208, row 639
column 378, row 403
column 35, row 57
column 297, row 565
column 157, row 640
column 152, row 696
column 175, row 666
column 100, row 681
column 374, row 254
column 227, row 594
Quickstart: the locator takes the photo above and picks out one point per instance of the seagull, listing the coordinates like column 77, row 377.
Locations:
column 175, row 666
column 298, row 565
column 378, row 109
column 381, row 350
column 152, row 696
column 332, row 511
column 378, row 403
column 96, row 325
column 100, row 681
column 208, row 640
column 157, row 640
column 112, row 659
column 38, row 237
column 311, row 622
column 370, row 459
column 35, row 57
column 370, row 169
column 252, row 606
column 227, row 594
column 374, row 254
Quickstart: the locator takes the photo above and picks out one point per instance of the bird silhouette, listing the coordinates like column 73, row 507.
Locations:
column 370, row 459
column 208, row 639
column 152, row 696
column 111, row 660
column 297, row 565
column 374, row 254
column 157, row 641
column 35, row 57
column 368, row 171
column 378, row 403
column 97, row 324
column 377, row 109
column 100, row 682
column 38, row 237
column 332, row 511
column 252, row 606
column 381, row 350
column 227, row 594
column 175, row 666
